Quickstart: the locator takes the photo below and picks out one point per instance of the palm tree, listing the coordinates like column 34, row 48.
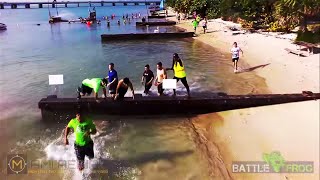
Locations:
column 304, row 9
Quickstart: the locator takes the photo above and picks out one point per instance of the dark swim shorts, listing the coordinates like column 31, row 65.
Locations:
column 82, row 151
column 235, row 59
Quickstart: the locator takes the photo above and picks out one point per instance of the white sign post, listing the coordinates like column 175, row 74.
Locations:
column 55, row 81
column 169, row 84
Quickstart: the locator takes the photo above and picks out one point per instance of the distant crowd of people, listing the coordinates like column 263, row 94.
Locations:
column 118, row 88
column 125, row 19
column 197, row 20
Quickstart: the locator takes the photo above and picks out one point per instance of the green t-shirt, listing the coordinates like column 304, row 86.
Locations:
column 80, row 129
column 195, row 23
column 94, row 83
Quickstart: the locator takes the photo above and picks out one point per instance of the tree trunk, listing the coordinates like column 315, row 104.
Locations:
column 303, row 23
column 303, row 20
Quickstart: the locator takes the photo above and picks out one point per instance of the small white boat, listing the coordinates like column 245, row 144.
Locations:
column 3, row 26
column 157, row 30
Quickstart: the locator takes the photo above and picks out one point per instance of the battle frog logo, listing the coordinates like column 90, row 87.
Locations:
column 273, row 162
column 17, row 164
column 81, row 128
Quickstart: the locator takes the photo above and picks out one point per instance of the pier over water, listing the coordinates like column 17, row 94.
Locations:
column 53, row 4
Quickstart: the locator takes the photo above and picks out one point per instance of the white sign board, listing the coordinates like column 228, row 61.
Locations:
column 169, row 84
column 55, row 79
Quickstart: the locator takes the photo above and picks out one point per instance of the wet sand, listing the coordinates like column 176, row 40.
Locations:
column 244, row 135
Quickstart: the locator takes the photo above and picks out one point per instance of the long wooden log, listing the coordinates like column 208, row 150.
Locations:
column 158, row 17
column 118, row 37
column 170, row 105
column 156, row 23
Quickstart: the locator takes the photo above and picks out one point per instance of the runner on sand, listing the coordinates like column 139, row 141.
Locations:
column 235, row 51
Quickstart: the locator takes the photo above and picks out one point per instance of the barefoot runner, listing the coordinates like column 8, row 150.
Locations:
column 83, row 127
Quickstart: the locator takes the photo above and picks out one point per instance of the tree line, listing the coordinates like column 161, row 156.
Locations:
column 273, row 15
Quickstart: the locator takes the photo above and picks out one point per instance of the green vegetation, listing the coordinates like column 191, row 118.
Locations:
column 273, row 15
column 308, row 36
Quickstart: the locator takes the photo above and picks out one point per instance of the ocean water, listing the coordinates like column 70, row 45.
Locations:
column 147, row 147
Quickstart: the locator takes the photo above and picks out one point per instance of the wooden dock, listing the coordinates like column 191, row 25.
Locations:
column 156, row 23
column 40, row 4
column 168, row 105
column 144, row 36
column 158, row 17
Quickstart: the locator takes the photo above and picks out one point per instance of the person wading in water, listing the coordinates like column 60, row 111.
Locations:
column 94, row 84
column 122, row 88
column 83, row 127
column 179, row 72
column 161, row 75
column 147, row 79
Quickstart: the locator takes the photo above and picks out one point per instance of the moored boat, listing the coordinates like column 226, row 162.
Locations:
column 56, row 19
column 3, row 26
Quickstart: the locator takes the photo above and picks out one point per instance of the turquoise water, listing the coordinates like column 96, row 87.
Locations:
column 149, row 147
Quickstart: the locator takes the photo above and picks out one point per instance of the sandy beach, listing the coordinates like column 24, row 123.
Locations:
column 292, row 129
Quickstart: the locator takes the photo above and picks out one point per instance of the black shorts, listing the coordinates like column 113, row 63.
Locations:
column 113, row 87
column 86, row 90
column 147, row 88
column 183, row 80
column 235, row 59
column 160, row 89
column 82, row 151
column 122, row 91
column 204, row 27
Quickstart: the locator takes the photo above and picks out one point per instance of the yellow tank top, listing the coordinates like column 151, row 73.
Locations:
column 179, row 71
column 198, row 19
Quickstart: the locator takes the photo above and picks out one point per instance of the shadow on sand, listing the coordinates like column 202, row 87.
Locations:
column 316, row 50
column 253, row 68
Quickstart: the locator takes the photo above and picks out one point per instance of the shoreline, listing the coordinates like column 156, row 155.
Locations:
column 303, row 71
column 245, row 134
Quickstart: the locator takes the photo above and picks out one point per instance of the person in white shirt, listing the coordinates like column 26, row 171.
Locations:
column 235, row 51
column 161, row 75
column 204, row 25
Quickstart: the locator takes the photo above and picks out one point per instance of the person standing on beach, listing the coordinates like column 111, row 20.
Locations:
column 198, row 18
column 204, row 25
column 82, row 127
column 161, row 75
column 179, row 72
column 195, row 25
column 147, row 78
column 113, row 80
column 235, row 51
